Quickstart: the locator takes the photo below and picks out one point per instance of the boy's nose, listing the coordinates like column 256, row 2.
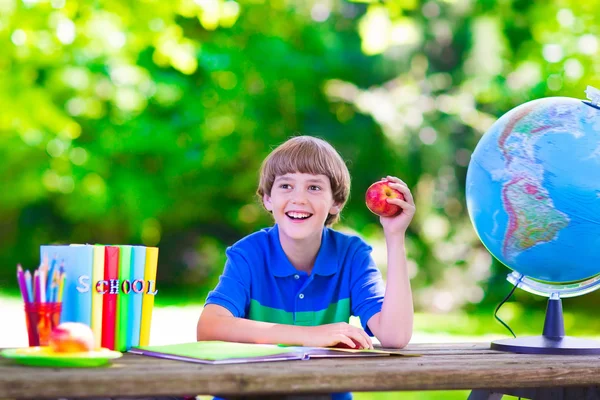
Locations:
column 299, row 198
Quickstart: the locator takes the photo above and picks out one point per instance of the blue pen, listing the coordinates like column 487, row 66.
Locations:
column 51, row 297
column 50, row 279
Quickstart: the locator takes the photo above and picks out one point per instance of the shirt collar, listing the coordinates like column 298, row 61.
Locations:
column 326, row 262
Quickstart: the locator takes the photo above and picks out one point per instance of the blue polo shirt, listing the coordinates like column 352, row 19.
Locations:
column 260, row 283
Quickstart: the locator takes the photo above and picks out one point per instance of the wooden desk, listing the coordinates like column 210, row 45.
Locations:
column 441, row 367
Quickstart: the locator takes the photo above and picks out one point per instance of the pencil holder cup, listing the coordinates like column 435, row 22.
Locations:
column 41, row 319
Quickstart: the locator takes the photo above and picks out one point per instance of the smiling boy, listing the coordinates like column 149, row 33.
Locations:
column 299, row 281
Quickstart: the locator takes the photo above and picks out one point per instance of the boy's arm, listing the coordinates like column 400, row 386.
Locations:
column 218, row 323
column 393, row 325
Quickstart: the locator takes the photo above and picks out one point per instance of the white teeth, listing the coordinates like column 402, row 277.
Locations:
column 298, row 215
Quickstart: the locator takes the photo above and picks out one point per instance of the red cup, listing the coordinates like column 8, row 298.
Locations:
column 41, row 319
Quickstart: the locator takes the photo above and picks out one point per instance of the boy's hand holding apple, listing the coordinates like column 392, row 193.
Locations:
column 390, row 198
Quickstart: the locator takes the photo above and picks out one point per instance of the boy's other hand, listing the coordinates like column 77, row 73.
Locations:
column 397, row 224
column 340, row 333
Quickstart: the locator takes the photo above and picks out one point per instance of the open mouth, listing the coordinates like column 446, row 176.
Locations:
column 298, row 216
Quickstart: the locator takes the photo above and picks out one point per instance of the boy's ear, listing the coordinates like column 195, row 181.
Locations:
column 267, row 202
column 335, row 209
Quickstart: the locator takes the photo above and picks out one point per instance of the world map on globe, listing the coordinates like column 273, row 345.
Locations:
column 533, row 189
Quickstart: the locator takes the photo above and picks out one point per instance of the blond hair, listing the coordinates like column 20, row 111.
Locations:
column 307, row 155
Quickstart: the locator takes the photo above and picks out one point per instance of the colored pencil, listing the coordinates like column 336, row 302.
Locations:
column 61, row 286
column 22, row 283
column 36, row 286
column 43, row 278
column 29, row 285
column 50, row 281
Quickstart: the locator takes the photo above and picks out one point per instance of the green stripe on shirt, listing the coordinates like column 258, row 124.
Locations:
column 336, row 312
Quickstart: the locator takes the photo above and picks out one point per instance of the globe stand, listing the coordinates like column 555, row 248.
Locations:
column 552, row 340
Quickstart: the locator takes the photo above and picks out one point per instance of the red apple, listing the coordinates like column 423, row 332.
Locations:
column 376, row 197
column 71, row 337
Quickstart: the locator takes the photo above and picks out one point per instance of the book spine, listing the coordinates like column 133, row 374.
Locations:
column 109, row 306
column 149, row 293
column 123, row 298
column 97, row 276
column 135, row 303
column 76, row 260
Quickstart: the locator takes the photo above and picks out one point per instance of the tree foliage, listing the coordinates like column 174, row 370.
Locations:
column 146, row 122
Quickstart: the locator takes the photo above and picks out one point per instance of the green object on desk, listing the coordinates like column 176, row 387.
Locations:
column 215, row 350
column 218, row 352
column 45, row 357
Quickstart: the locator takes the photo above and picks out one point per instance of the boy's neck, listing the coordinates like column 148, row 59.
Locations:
column 302, row 253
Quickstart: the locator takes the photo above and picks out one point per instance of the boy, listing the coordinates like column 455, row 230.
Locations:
column 298, row 282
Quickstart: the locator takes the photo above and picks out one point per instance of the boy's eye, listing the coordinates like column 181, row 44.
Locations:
column 314, row 187
column 285, row 186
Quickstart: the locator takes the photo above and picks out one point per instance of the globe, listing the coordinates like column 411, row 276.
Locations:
column 533, row 190
column 533, row 197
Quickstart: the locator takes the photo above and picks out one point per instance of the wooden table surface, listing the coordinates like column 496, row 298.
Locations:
column 440, row 367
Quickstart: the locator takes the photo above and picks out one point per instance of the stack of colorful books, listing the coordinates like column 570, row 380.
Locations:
column 109, row 288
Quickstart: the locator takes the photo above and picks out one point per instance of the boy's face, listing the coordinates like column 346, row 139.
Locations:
column 300, row 204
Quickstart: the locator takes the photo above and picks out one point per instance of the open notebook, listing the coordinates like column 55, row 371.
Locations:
column 216, row 352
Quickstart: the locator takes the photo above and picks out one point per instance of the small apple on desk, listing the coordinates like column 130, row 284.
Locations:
column 71, row 337
column 376, row 197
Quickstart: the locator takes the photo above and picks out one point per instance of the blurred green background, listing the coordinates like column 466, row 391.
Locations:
column 145, row 122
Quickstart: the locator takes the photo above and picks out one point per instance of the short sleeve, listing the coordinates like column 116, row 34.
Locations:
column 367, row 288
column 233, row 289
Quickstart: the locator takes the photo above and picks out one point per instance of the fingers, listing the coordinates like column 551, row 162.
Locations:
column 407, row 204
column 361, row 337
column 361, row 341
column 404, row 205
column 394, row 179
column 353, row 337
column 402, row 188
column 346, row 340
column 368, row 340
column 365, row 341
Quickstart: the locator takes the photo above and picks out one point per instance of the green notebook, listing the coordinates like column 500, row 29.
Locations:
column 216, row 352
